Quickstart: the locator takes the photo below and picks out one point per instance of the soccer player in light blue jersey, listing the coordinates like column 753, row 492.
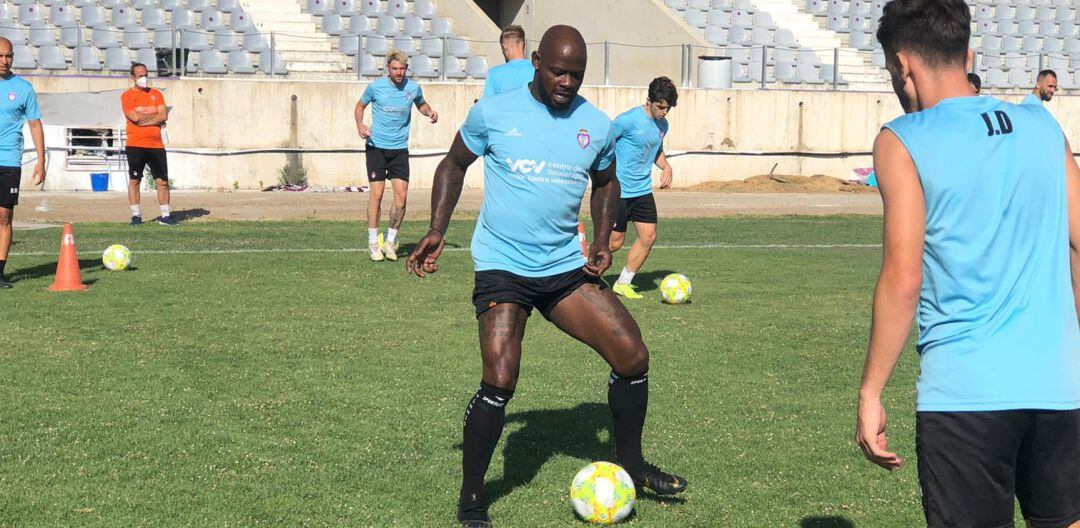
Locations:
column 1046, row 85
column 542, row 146
column 18, row 107
column 386, row 148
column 639, row 143
column 517, row 72
column 982, row 248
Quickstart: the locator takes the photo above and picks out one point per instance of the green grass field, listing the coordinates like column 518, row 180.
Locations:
column 267, row 374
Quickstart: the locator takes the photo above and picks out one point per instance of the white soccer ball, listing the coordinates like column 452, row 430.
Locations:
column 603, row 493
column 116, row 257
column 676, row 289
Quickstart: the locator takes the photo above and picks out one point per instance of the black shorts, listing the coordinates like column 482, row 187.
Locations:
column 971, row 464
column 637, row 209
column 9, row 186
column 387, row 164
column 139, row 157
column 497, row 287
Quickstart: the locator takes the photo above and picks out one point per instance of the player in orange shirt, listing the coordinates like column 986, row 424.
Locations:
column 145, row 110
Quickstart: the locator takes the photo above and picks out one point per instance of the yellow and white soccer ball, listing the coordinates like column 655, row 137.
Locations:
column 676, row 289
column 116, row 257
column 603, row 493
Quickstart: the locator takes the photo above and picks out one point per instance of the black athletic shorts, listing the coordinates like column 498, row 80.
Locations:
column 9, row 186
column 497, row 287
column 971, row 464
column 387, row 164
column 637, row 209
column 139, row 158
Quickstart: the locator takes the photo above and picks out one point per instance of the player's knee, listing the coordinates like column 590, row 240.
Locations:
column 648, row 238
column 634, row 361
column 161, row 184
column 5, row 217
column 616, row 243
column 504, row 376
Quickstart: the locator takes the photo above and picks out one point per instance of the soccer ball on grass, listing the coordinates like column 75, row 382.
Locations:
column 676, row 289
column 603, row 493
column 116, row 257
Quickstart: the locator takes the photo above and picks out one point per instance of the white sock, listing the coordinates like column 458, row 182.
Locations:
column 136, row 211
column 372, row 235
column 391, row 235
column 165, row 210
column 626, row 277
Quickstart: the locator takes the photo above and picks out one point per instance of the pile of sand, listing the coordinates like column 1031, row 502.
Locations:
column 780, row 183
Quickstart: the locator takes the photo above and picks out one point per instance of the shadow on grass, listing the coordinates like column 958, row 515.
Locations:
column 825, row 522
column 49, row 269
column 646, row 281
column 189, row 214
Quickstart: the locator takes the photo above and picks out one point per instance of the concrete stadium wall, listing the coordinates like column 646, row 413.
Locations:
column 225, row 132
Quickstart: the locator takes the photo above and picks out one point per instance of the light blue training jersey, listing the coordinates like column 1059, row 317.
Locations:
column 997, row 323
column 536, row 168
column 509, row 76
column 1032, row 99
column 391, row 113
column 17, row 106
column 639, row 139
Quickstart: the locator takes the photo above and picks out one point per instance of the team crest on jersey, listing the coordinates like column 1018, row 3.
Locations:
column 11, row 96
column 583, row 139
column 408, row 95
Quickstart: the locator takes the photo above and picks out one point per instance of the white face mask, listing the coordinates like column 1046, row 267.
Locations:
column 142, row 82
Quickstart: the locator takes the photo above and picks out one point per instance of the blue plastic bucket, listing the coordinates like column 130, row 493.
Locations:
column 99, row 181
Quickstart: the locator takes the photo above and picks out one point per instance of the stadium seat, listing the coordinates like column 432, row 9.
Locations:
column 241, row 22
column 762, row 36
column 23, row 57
column 360, row 25
column 458, row 47
column 993, row 60
column 228, row 6
column 211, row 61
column 476, row 67
column 859, row 23
column 740, row 36
column 105, row 37
column 164, row 38
column 333, row 24
column 431, row 46
column 996, row 78
column 183, row 18
column 1048, row 28
column 696, row 18
column 1066, row 80
column 153, row 18
column 349, row 44
column 1044, row 13
column 743, row 5
column 195, row 40
column 255, row 42
column 397, row 8
column 718, row 18
column 716, row 35
column 451, row 67
column 136, row 38
column 52, row 58
column 1031, row 44
column 830, row 74
column 124, row 17
column 1025, row 27
column 991, row 43
column 110, row 4
column 424, row 9
column 1015, row 61
column 376, row 45
column 985, row 26
column 755, row 71
column 785, row 38
column 726, row 5
column 405, row 44
column 414, row 26
column 678, row 5
column 1010, row 43
column 789, row 56
column 386, row 26
column 1053, row 45
column 371, row 8
column 170, row 5
column 198, row 6
column 93, row 16
column 212, row 20
column 345, row 7
column 1067, row 29
column 41, row 33
column 785, row 72
column 421, row 66
column 318, row 7
column 703, row 5
column 1073, row 45
column 118, row 60
column 862, row 41
column 739, row 73
column 240, row 62
column 227, row 40
column 838, row 7
column 741, row 18
column 30, row 13
column 88, row 58
column 1058, row 63
column 1064, row 14
column 368, row 67
column 60, row 14
column 71, row 36
column 807, row 56
column 763, row 19
column 983, row 12
column 278, row 64
column 837, row 23
column 441, row 27
column 1021, row 78
column 809, row 74
column 878, row 58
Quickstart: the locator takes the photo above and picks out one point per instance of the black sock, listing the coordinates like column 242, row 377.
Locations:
column 2, row 264
column 484, row 421
column 628, row 399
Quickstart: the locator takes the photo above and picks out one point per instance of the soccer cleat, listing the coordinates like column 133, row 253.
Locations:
column 626, row 290
column 376, row 253
column 4, row 284
column 651, row 477
column 136, row 220
column 167, row 221
column 390, row 250
column 473, row 512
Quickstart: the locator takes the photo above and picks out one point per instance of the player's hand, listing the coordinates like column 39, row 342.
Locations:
column 423, row 259
column 870, row 434
column 39, row 173
column 665, row 178
column 434, row 117
column 599, row 260
column 364, row 130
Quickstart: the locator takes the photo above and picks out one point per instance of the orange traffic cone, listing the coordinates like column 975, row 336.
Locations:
column 581, row 237
column 68, row 275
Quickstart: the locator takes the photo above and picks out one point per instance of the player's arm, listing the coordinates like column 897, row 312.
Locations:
column 446, row 189
column 158, row 118
column 426, row 110
column 358, row 114
column 897, row 291
column 1072, row 189
column 603, row 205
column 666, row 173
column 37, row 133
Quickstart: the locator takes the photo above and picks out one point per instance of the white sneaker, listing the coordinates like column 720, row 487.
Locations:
column 376, row 253
column 390, row 250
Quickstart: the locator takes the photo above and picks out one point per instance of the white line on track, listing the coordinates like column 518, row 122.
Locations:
column 449, row 250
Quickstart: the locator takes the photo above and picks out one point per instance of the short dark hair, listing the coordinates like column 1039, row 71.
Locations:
column 512, row 32
column 975, row 81
column 662, row 89
column 938, row 31
column 1046, row 73
column 137, row 65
